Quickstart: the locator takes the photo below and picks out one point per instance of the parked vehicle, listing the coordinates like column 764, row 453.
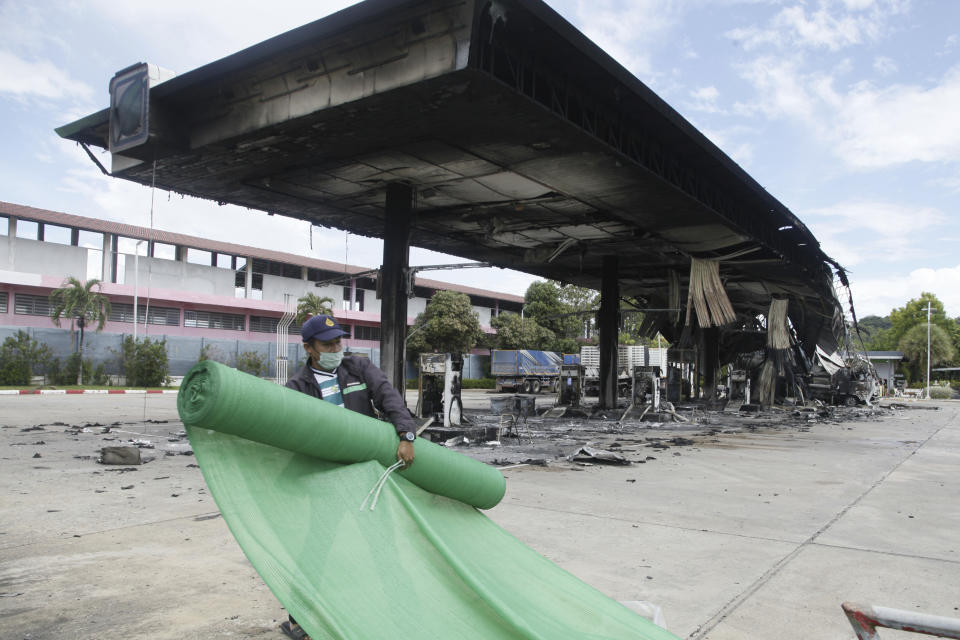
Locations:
column 628, row 357
column 525, row 370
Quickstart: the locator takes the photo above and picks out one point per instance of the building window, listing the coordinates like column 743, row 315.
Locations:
column 57, row 234
column 240, row 285
column 4, row 301
column 266, row 324
column 199, row 256
column 31, row 305
column 358, row 302
column 213, row 320
column 164, row 251
column 123, row 312
column 366, row 333
column 263, row 324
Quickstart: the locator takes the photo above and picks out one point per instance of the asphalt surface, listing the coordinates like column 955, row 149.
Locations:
column 736, row 527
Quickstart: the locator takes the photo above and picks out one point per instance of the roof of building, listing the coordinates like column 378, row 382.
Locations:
column 168, row 237
column 885, row 355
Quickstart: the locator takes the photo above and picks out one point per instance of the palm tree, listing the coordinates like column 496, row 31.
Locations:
column 77, row 300
column 313, row 305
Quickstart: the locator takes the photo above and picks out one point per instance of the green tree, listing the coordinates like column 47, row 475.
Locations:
column 544, row 304
column 78, row 301
column 913, row 313
column 21, row 356
column 583, row 300
column 311, row 304
column 448, row 325
column 144, row 362
column 914, row 347
column 514, row 332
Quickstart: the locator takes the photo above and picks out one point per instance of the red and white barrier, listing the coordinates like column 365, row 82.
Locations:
column 63, row 392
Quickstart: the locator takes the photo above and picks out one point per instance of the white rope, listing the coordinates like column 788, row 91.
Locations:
column 378, row 487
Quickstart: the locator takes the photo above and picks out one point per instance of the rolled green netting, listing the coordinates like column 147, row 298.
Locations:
column 223, row 399
column 421, row 566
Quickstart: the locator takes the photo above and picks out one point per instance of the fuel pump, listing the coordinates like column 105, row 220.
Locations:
column 439, row 386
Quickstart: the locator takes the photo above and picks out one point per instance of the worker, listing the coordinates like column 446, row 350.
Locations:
column 350, row 382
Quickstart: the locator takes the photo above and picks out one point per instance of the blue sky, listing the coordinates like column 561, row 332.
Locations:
column 847, row 111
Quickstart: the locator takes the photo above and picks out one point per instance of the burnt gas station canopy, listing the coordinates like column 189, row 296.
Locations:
column 525, row 145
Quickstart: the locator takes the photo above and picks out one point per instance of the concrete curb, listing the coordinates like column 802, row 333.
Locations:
column 63, row 392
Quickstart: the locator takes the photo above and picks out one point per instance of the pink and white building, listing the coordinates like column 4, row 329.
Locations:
column 194, row 292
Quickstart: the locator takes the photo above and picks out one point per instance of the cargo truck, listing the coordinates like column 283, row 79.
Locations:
column 525, row 370
column 628, row 358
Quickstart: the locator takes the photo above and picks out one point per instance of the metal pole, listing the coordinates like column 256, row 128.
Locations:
column 928, row 349
column 136, row 287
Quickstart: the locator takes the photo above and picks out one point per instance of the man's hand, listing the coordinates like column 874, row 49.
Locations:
column 405, row 453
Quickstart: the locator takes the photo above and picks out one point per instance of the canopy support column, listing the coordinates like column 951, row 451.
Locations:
column 710, row 360
column 609, row 324
column 398, row 216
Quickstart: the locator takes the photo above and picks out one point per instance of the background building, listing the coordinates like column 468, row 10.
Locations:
column 196, row 293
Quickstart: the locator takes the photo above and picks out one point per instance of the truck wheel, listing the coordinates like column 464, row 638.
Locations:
column 850, row 401
column 535, row 386
column 528, row 386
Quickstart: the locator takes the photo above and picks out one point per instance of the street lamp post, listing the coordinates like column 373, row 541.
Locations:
column 136, row 287
column 928, row 349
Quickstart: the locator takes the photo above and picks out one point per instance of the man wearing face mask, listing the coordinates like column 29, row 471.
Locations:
column 350, row 382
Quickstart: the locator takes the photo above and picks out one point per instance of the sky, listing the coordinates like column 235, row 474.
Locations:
column 847, row 111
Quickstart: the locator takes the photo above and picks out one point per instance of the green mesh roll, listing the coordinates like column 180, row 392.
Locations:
column 216, row 397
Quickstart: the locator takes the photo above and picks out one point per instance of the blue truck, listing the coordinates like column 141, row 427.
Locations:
column 525, row 370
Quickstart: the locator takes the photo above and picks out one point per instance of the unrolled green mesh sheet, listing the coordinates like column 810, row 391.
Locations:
column 419, row 566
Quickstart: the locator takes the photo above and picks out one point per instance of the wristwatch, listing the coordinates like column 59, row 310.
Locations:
column 407, row 436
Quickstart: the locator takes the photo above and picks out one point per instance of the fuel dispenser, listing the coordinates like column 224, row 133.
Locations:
column 439, row 386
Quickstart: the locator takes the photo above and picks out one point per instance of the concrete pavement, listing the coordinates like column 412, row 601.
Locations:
column 751, row 534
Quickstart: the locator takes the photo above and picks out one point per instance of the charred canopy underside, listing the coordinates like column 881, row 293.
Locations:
column 526, row 145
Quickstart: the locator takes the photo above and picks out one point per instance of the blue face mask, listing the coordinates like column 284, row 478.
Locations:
column 329, row 361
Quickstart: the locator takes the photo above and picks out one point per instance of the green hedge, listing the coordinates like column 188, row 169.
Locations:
column 480, row 383
column 941, row 393
column 466, row 383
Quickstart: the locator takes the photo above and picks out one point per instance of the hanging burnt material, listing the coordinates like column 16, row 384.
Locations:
column 778, row 361
column 707, row 295
column 673, row 291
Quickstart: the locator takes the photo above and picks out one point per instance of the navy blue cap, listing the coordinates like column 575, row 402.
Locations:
column 321, row 328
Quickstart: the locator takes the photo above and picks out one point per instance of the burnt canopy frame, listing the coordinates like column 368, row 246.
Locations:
column 523, row 143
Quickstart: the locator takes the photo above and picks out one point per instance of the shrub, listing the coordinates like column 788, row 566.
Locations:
column 252, row 362
column 67, row 374
column 145, row 362
column 20, row 357
column 210, row 352
column 941, row 393
column 478, row 383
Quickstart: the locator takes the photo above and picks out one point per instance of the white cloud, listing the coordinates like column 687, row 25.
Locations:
column 884, row 65
column 628, row 30
column 831, row 26
column 821, row 28
column 781, row 87
column 38, row 79
column 863, row 232
column 878, row 296
column 704, row 99
column 900, row 123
